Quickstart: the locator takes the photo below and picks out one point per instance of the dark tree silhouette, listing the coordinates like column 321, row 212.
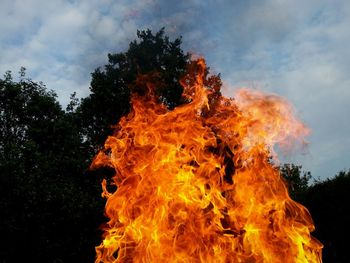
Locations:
column 110, row 88
column 51, row 204
column 328, row 202
column 296, row 180
column 47, row 207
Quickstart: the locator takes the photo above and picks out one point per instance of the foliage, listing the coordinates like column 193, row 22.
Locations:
column 328, row 202
column 51, row 205
column 110, row 88
column 43, row 201
column 297, row 180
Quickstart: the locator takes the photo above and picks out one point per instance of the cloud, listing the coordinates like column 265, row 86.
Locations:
column 297, row 49
column 62, row 42
column 304, row 61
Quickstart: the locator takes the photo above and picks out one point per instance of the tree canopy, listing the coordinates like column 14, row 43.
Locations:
column 111, row 86
column 50, row 200
column 297, row 180
column 328, row 203
column 43, row 196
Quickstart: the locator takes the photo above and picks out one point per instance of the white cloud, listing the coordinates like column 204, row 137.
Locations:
column 62, row 42
column 313, row 75
column 298, row 49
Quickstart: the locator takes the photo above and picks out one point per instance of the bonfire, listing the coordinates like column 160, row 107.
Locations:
column 199, row 183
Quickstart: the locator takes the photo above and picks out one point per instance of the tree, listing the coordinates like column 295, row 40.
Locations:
column 152, row 54
column 50, row 202
column 44, row 199
column 297, row 180
column 328, row 202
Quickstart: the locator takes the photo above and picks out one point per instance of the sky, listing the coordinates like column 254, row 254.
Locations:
column 297, row 49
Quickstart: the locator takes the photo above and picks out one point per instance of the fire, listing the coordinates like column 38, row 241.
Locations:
column 196, row 184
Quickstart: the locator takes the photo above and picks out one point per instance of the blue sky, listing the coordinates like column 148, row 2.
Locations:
column 296, row 49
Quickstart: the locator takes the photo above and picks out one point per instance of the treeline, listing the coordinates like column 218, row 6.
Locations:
column 328, row 202
column 50, row 202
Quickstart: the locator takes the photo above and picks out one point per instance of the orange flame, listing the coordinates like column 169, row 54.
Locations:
column 195, row 184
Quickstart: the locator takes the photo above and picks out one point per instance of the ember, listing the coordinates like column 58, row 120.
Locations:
column 197, row 184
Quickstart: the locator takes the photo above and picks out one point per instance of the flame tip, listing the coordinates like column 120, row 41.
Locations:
column 196, row 184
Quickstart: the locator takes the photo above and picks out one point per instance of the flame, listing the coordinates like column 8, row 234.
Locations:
column 196, row 184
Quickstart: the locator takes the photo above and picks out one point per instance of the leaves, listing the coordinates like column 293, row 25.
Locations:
column 51, row 204
column 43, row 200
column 296, row 180
column 111, row 87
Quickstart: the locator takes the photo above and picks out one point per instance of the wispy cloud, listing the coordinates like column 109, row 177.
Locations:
column 298, row 49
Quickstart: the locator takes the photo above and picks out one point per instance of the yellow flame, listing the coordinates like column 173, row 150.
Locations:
column 196, row 185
